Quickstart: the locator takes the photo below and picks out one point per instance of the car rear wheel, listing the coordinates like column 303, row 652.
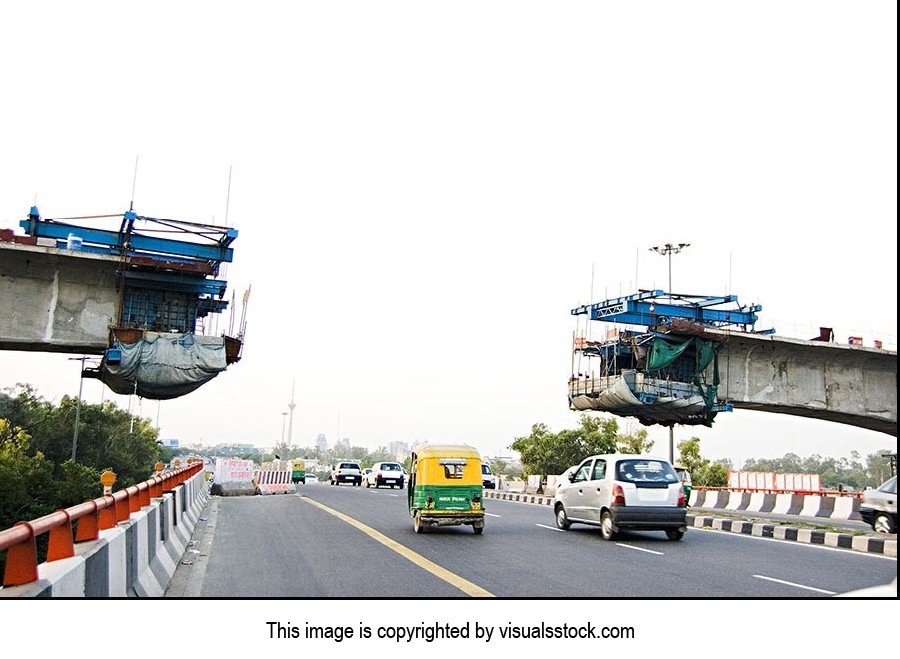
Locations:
column 882, row 523
column 606, row 526
column 674, row 534
column 562, row 520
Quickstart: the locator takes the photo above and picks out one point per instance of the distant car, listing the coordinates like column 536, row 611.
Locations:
column 488, row 480
column 878, row 507
column 311, row 478
column 385, row 473
column 620, row 491
column 346, row 472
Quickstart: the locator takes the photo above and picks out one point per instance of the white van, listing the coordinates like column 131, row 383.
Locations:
column 487, row 477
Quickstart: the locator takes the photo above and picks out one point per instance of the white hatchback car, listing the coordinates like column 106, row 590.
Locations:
column 620, row 491
column 385, row 473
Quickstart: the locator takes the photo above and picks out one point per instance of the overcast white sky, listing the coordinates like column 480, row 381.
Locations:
column 424, row 190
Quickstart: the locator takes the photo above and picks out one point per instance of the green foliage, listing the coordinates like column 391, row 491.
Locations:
column 636, row 443
column 703, row 472
column 713, row 474
column 37, row 473
column 835, row 472
column 79, row 483
column 28, row 489
column 544, row 452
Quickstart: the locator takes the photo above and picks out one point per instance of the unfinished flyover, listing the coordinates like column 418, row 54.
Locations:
column 137, row 295
column 672, row 359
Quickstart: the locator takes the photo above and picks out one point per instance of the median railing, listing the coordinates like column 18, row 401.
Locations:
column 80, row 523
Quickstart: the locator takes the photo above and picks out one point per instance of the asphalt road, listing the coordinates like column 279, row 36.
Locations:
column 353, row 542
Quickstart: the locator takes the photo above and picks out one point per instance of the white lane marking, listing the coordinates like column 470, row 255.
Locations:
column 552, row 528
column 491, row 515
column 795, row 585
column 649, row 551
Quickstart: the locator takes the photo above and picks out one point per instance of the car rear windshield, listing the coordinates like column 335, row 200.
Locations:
column 390, row 466
column 349, row 465
column 637, row 470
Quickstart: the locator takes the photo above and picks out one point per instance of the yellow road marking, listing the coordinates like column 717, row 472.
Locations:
column 453, row 579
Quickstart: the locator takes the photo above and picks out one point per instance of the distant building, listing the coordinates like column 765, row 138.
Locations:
column 400, row 450
column 321, row 442
column 234, row 449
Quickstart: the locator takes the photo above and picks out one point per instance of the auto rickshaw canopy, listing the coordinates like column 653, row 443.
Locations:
column 450, row 464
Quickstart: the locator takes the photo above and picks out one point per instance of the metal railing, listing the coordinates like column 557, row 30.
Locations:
column 20, row 541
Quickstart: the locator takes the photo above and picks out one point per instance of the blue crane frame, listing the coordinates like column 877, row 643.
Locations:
column 657, row 308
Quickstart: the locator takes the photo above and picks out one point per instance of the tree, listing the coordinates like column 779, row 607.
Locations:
column 544, row 452
column 703, row 471
column 636, row 443
column 108, row 438
column 28, row 489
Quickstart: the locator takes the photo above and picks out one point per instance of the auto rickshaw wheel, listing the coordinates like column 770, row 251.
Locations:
column 478, row 527
column 417, row 523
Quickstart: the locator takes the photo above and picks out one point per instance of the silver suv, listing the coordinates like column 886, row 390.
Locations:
column 878, row 508
column 621, row 491
column 346, row 472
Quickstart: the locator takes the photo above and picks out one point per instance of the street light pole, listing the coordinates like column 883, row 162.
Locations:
column 78, row 407
column 667, row 250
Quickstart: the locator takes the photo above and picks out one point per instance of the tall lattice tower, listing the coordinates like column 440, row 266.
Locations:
column 291, row 407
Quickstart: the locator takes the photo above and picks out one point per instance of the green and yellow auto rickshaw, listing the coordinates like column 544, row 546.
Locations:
column 684, row 475
column 445, row 487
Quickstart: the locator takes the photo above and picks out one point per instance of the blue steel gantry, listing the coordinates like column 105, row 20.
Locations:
column 664, row 373
column 167, row 281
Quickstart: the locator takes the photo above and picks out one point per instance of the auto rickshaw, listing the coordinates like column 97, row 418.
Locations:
column 445, row 488
column 684, row 475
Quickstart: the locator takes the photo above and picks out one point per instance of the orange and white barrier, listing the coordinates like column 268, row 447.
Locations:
column 274, row 481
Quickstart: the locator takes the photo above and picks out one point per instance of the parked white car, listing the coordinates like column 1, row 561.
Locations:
column 621, row 491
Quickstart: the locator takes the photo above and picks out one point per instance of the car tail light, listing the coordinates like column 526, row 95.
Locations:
column 681, row 501
column 618, row 495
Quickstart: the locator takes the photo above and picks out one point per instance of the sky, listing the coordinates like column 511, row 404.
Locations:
column 423, row 191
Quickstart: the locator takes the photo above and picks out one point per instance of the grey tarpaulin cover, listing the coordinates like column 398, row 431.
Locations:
column 165, row 365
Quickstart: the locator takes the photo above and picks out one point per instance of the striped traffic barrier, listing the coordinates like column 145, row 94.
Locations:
column 274, row 481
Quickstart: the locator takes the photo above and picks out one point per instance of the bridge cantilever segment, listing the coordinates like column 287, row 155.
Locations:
column 89, row 290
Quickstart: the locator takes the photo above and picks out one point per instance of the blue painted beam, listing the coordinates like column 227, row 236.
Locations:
column 179, row 283
column 138, row 244
column 656, row 307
